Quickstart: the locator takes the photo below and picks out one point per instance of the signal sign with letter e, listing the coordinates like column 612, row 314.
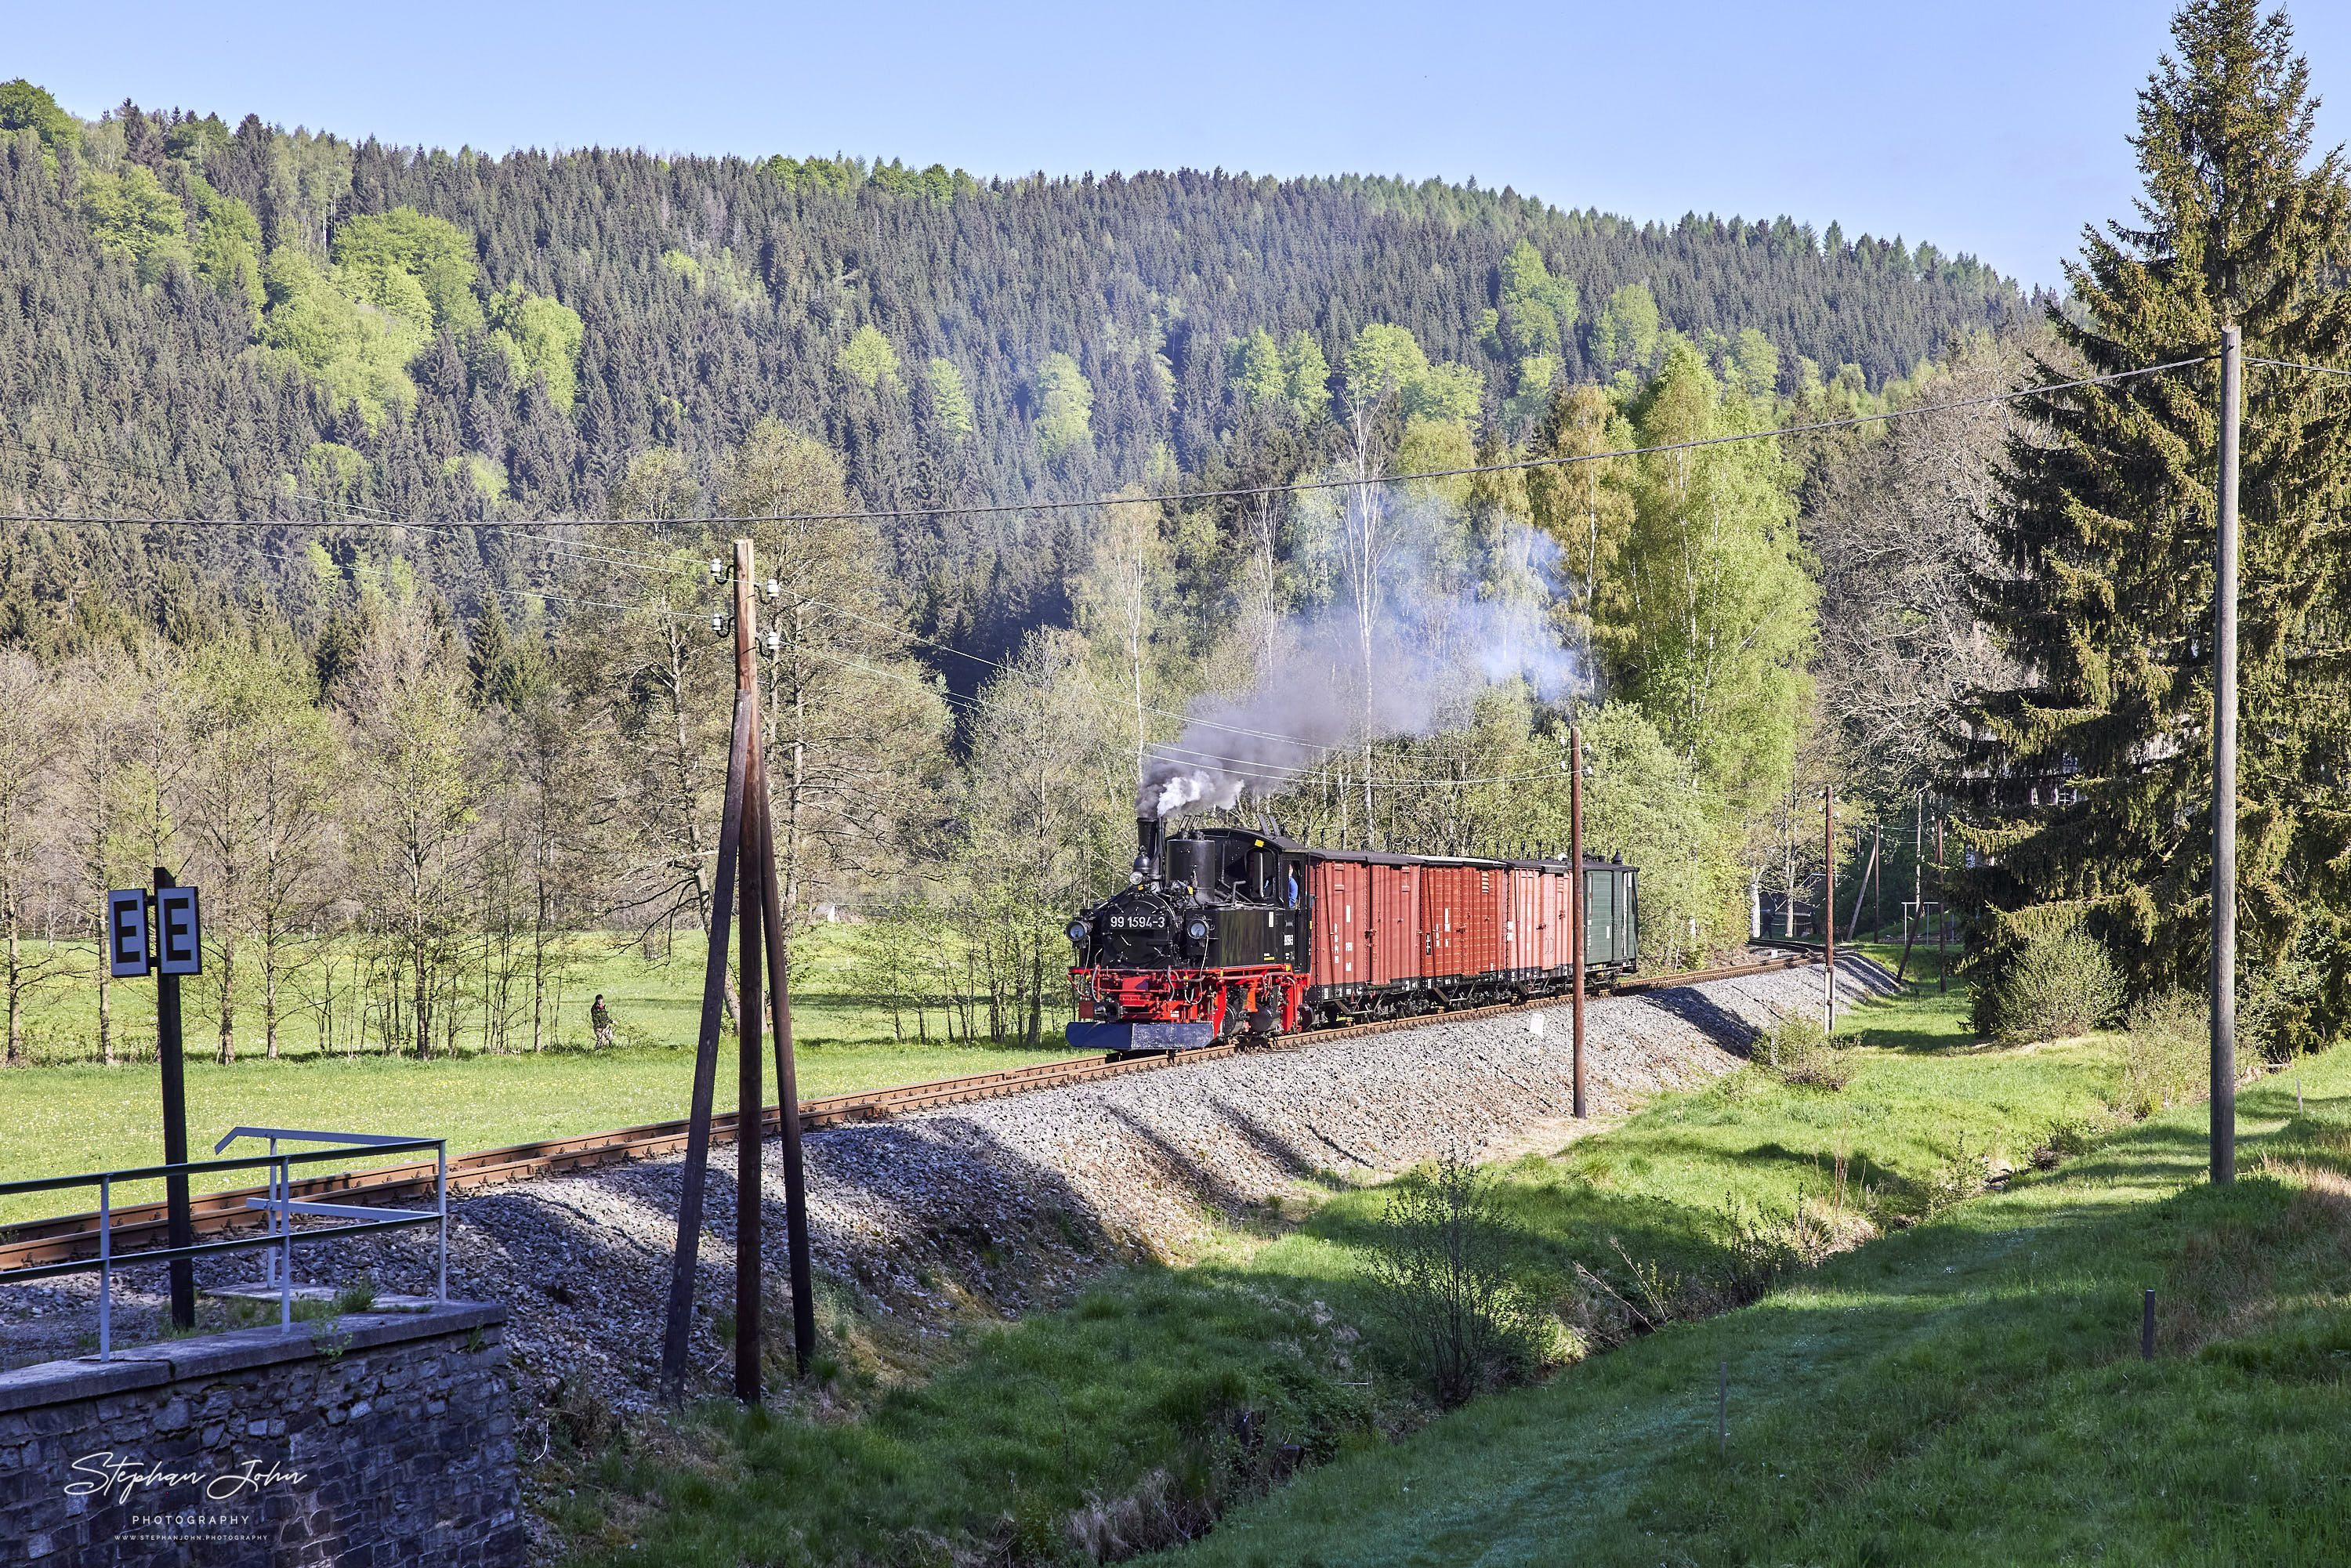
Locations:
column 179, row 931
column 126, row 933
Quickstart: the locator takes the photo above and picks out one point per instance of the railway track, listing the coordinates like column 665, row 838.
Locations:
column 67, row 1237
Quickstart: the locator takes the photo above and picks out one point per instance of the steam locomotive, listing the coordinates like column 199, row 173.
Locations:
column 1222, row 932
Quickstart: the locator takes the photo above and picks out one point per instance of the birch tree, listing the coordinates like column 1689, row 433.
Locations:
column 413, row 801
column 98, row 740
column 854, row 728
column 30, row 741
column 1709, row 620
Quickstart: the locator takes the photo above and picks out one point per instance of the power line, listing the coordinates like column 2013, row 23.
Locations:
column 1174, row 498
column 2296, row 365
column 1011, row 669
column 510, row 592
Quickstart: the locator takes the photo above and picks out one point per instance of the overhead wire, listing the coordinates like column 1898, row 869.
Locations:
column 589, row 552
column 1268, row 770
column 510, row 592
column 1172, row 497
column 2297, row 365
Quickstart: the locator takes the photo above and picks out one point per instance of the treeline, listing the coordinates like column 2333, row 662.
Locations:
column 241, row 321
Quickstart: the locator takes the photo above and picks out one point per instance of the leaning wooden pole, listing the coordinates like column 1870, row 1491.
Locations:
column 2224, row 775
column 705, row 1059
column 787, row 1084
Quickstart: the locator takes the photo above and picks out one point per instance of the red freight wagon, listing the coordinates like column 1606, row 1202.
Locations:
column 1339, row 893
column 1443, row 913
column 1487, row 892
column 1522, row 922
column 1222, row 931
column 1558, row 930
column 1395, row 930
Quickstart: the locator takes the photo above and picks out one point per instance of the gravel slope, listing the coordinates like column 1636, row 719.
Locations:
column 992, row 1208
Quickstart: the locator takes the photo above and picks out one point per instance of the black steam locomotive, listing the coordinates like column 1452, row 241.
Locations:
column 1223, row 932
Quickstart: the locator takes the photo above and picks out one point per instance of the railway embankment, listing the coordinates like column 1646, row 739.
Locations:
column 923, row 1223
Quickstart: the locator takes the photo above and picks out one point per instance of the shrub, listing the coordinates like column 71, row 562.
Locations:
column 1958, row 1175
column 1798, row 1050
column 2060, row 985
column 1442, row 1267
column 2165, row 1044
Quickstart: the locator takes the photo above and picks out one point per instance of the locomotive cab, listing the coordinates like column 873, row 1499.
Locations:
column 1197, row 947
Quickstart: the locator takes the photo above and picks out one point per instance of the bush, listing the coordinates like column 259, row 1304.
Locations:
column 1798, row 1050
column 1443, row 1269
column 2055, row 986
column 2166, row 1052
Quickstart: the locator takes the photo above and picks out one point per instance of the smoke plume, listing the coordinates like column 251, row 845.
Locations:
column 1452, row 615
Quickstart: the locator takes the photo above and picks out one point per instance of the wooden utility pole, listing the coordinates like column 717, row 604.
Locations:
column 787, row 1096
column 1828, row 899
column 752, row 905
column 1576, row 901
column 2224, row 775
column 1942, row 909
column 746, row 884
column 680, row 1319
column 1877, row 870
column 1917, row 884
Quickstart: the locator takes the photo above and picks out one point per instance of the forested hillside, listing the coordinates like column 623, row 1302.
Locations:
column 255, row 323
column 412, row 761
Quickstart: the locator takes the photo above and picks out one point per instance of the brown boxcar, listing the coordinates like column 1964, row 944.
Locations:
column 1224, row 930
column 1440, row 931
column 1395, row 930
column 1339, row 890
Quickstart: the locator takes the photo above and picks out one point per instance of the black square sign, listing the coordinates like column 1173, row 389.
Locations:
column 126, row 933
column 179, row 931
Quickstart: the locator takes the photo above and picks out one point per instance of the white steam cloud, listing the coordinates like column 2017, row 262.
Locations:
column 1452, row 614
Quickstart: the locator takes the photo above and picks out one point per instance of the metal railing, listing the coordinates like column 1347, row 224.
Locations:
column 279, row 1237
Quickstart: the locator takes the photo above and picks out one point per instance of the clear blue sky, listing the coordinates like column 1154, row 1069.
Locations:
column 1995, row 127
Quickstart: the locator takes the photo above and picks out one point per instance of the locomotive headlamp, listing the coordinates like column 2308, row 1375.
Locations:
column 1077, row 932
column 1197, row 931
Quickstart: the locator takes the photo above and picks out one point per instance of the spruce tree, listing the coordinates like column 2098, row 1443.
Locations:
column 2091, row 777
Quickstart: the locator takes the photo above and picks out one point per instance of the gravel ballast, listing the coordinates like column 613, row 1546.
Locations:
column 989, row 1209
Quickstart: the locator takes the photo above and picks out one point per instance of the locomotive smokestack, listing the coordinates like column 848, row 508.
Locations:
column 1148, row 832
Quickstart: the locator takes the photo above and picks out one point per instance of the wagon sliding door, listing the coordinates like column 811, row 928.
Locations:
column 1393, row 930
column 1342, row 911
column 1441, row 911
column 1600, row 917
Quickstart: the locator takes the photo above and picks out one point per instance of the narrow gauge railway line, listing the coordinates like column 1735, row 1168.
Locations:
column 67, row 1237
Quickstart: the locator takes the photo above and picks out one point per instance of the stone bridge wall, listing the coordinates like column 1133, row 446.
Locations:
column 378, row 1438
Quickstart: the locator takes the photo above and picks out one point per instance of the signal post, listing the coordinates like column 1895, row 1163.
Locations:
column 172, row 916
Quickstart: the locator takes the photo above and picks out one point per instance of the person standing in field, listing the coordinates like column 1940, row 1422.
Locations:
column 601, row 1016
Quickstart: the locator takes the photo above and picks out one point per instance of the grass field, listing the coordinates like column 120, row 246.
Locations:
column 82, row 1116
column 1966, row 1391
column 1963, row 1388
column 656, row 1001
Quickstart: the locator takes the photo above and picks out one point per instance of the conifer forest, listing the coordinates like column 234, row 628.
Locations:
column 360, row 499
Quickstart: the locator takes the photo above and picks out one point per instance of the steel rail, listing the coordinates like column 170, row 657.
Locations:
column 65, row 1236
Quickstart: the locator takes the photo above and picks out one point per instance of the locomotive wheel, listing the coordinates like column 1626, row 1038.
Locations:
column 1236, row 1017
